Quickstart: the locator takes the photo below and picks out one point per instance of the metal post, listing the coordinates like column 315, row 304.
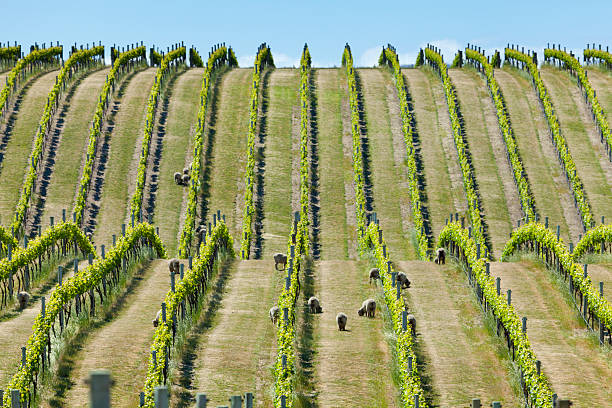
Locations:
column 524, row 324
column 99, row 389
column 475, row 403
column 15, row 399
column 404, row 320
column 509, row 297
column 248, row 400
column 142, row 401
column 498, row 285
column 161, row 397
column 235, row 401
column 201, row 400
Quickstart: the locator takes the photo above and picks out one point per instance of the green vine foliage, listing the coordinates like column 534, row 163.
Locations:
column 603, row 56
column 410, row 382
column 464, row 247
column 194, row 58
column 565, row 157
column 469, row 180
column 64, row 233
column 526, row 197
column 536, row 237
column 420, row 59
column 78, row 60
column 46, row 55
column 593, row 240
column 571, row 63
column 390, row 57
column 6, row 238
column 10, row 53
column 155, row 58
column 358, row 174
column 140, row 237
column 193, row 284
column 123, row 62
column 297, row 247
column 176, row 56
column 218, row 58
column 457, row 61
column 263, row 59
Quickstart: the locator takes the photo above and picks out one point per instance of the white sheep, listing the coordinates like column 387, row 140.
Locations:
column 412, row 323
column 403, row 280
column 280, row 259
column 368, row 307
column 374, row 274
column 23, row 298
column 274, row 313
column 440, row 256
column 314, row 305
column 341, row 319
column 157, row 318
column 178, row 178
column 186, row 179
column 174, row 266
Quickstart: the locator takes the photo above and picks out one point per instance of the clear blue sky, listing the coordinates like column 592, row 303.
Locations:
column 325, row 25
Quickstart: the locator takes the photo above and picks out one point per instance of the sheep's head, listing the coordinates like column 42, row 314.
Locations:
column 361, row 311
column 155, row 323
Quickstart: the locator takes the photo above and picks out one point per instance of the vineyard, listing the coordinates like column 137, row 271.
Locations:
column 170, row 221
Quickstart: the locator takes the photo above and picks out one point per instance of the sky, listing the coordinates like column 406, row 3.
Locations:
column 325, row 25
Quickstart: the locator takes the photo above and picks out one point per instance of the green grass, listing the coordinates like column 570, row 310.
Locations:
column 229, row 150
column 601, row 81
column 283, row 104
column 176, row 151
column 19, row 147
column 531, row 131
column 390, row 188
column 332, row 164
column 471, row 89
column 124, row 154
column 66, row 172
column 575, row 129
column 430, row 114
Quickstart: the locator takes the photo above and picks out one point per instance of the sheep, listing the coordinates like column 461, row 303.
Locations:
column 280, row 259
column 403, row 280
column 412, row 323
column 186, row 170
column 186, row 179
column 341, row 319
column 23, row 298
column 274, row 313
column 440, row 256
column 314, row 305
column 368, row 308
column 200, row 230
column 374, row 274
column 178, row 178
column 174, row 266
column 89, row 236
column 157, row 318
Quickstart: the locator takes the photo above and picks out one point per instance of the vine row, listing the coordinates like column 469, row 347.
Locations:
column 263, row 59
column 217, row 58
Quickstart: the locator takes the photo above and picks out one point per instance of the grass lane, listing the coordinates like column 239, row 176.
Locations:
column 125, row 145
column 283, row 104
column 20, row 142
column 387, row 158
column 229, row 150
column 332, row 164
column 463, row 359
column 177, row 150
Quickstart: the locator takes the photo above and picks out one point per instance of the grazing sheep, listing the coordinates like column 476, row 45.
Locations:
column 341, row 319
column 280, row 259
column 412, row 324
column 403, row 280
column 200, row 230
column 440, row 256
column 89, row 236
column 178, row 178
column 174, row 265
column 374, row 274
column 23, row 298
column 368, row 307
column 157, row 318
column 274, row 313
column 186, row 179
column 314, row 305
column 186, row 170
